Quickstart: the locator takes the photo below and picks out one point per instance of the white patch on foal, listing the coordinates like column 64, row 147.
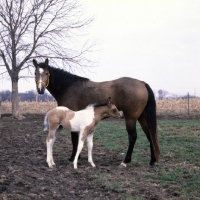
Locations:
column 62, row 108
column 82, row 119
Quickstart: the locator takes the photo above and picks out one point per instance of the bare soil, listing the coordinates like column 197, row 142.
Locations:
column 24, row 173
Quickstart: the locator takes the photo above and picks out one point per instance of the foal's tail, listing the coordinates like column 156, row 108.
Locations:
column 45, row 124
column 152, row 121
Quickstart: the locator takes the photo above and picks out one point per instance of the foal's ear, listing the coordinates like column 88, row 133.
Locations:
column 109, row 102
column 35, row 63
column 46, row 62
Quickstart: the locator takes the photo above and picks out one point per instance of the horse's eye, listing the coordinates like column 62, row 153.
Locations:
column 114, row 110
column 47, row 73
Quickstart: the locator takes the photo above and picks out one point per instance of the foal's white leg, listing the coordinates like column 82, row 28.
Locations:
column 79, row 148
column 90, row 147
column 49, row 152
column 50, row 141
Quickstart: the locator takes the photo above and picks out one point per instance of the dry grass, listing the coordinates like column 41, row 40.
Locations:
column 29, row 107
column 178, row 106
column 169, row 107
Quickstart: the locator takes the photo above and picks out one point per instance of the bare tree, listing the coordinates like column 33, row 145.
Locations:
column 38, row 28
column 162, row 94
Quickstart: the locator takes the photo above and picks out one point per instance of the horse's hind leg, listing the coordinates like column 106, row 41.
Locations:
column 50, row 141
column 49, row 147
column 132, row 136
column 143, row 122
column 53, row 140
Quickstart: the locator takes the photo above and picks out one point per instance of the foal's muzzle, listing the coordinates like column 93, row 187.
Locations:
column 121, row 114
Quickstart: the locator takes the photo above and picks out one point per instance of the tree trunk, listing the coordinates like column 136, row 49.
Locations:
column 15, row 101
column 0, row 104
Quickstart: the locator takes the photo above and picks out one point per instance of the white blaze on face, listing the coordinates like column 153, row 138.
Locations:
column 40, row 79
column 82, row 119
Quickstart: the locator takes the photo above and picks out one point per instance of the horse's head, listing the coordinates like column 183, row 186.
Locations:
column 112, row 110
column 41, row 75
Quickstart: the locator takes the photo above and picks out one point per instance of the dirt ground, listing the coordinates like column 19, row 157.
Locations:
column 24, row 173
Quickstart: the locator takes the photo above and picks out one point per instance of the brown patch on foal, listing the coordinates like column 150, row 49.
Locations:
column 59, row 117
column 89, row 129
column 97, row 117
column 68, row 116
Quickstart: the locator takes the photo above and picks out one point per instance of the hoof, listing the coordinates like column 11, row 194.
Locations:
column 53, row 164
column 122, row 165
column 50, row 166
column 71, row 159
column 151, row 164
column 75, row 167
column 71, row 165
column 94, row 166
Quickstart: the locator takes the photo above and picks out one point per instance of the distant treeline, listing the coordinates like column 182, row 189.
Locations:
column 27, row 96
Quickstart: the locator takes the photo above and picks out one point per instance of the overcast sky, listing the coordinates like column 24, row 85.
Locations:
column 156, row 41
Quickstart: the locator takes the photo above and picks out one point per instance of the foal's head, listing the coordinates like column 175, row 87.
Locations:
column 111, row 110
column 41, row 75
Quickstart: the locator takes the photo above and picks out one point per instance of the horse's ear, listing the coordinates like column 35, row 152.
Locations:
column 35, row 63
column 46, row 62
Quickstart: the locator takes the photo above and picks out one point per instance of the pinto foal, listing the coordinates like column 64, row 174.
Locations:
column 83, row 121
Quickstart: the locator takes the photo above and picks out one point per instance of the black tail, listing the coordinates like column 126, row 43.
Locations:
column 152, row 121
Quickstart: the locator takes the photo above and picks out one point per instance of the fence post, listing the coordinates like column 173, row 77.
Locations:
column 188, row 103
column 0, row 103
column 36, row 99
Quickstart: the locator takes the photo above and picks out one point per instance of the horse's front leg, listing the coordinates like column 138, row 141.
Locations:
column 132, row 136
column 74, row 137
column 82, row 137
column 90, row 147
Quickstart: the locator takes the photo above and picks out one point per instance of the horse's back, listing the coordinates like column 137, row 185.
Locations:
column 130, row 95
column 127, row 94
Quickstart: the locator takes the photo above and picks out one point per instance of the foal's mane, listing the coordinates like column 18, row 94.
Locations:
column 99, row 105
column 61, row 79
column 95, row 105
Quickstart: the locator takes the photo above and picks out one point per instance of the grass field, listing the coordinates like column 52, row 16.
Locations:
column 179, row 167
column 176, row 176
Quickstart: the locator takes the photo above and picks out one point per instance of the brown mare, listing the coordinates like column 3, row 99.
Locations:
column 134, row 97
column 83, row 121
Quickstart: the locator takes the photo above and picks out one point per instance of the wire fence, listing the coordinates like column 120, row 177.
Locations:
column 189, row 106
column 177, row 106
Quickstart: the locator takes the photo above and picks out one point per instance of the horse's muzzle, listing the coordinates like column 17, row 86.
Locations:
column 40, row 90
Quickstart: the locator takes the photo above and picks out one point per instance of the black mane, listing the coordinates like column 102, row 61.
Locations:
column 61, row 79
column 96, row 105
